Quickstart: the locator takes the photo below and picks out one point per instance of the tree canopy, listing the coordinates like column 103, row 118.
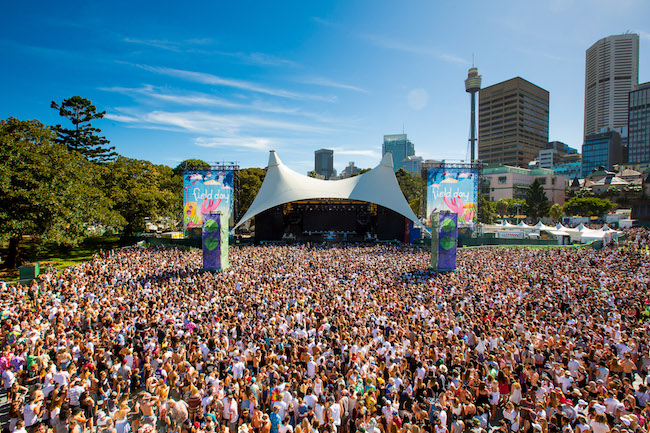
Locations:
column 508, row 206
column 412, row 186
column 537, row 205
column 46, row 192
column 587, row 206
column 191, row 164
column 83, row 137
column 141, row 190
column 556, row 212
column 486, row 210
column 250, row 181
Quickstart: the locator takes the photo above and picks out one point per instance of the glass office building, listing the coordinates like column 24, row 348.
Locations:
column 604, row 149
column 639, row 125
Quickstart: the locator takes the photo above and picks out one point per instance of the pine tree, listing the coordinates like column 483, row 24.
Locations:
column 537, row 205
column 83, row 138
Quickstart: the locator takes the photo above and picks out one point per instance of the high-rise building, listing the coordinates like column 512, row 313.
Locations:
column 557, row 153
column 400, row 146
column 513, row 122
column 412, row 164
column 604, row 149
column 324, row 163
column 611, row 72
column 350, row 170
column 639, row 125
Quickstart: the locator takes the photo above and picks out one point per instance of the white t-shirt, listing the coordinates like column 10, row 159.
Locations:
column 8, row 378
column 335, row 411
column 29, row 415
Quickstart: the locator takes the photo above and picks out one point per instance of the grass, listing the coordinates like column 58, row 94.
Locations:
column 59, row 257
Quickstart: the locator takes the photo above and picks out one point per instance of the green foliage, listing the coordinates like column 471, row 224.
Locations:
column 45, row 191
column 587, row 206
column 83, row 137
column 508, row 206
column 412, row 186
column 581, row 192
column 191, row 164
column 537, row 205
column 250, row 181
column 486, row 210
column 556, row 212
column 142, row 190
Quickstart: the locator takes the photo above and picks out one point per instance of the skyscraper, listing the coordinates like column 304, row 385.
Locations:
column 512, row 122
column 324, row 162
column 611, row 72
column 603, row 149
column 639, row 121
column 400, row 146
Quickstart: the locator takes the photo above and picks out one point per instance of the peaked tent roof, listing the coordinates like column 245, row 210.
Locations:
column 283, row 185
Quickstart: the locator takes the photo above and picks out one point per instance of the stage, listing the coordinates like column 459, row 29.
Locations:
column 329, row 220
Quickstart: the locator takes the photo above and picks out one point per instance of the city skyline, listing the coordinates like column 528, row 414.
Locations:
column 220, row 83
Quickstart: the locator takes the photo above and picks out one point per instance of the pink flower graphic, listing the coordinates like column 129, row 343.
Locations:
column 209, row 205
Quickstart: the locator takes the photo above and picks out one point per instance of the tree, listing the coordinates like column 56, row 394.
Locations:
column 45, row 191
column 587, row 206
column 191, row 164
column 556, row 212
column 501, row 207
column 412, row 186
column 508, row 206
column 142, row 190
column 83, row 137
column 537, row 205
column 486, row 210
column 250, row 181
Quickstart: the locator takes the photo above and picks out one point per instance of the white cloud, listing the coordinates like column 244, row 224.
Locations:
column 326, row 82
column 256, row 143
column 121, row 118
column 418, row 99
column 202, row 122
column 190, row 46
column 156, row 43
column 205, row 78
column 391, row 44
column 359, row 152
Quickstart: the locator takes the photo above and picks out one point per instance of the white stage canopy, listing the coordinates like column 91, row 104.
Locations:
column 283, row 185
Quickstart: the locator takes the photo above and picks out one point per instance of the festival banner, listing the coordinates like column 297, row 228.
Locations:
column 447, row 241
column 453, row 190
column 215, row 242
column 206, row 191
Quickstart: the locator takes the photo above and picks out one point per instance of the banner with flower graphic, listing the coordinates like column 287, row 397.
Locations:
column 206, row 191
column 215, row 242
column 453, row 190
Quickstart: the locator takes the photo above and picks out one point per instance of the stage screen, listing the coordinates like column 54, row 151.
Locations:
column 206, row 191
column 330, row 220
column 454, row 190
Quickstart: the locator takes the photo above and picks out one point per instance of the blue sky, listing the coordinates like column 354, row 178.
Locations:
column 228, row 81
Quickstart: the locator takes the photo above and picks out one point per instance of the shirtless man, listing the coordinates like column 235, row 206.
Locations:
column 147, row 407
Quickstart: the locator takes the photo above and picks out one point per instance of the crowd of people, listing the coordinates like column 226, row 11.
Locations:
column 333, row 339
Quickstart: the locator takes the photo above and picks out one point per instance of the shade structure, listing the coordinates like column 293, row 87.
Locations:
column 283, row 185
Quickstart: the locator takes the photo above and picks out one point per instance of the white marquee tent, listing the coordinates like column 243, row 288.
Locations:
column 283, row 185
